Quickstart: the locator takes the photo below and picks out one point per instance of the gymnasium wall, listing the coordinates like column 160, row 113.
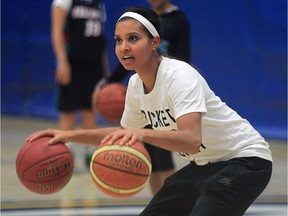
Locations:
column 239, row 46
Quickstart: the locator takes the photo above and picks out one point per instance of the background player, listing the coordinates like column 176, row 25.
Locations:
column 80, row 48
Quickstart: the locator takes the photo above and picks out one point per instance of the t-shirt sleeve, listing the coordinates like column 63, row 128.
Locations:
column 64, row 4
column 187, row 93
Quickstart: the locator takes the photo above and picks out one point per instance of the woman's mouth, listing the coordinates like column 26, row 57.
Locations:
column 126, row 58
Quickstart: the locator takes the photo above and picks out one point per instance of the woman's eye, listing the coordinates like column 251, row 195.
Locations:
column 133, row 38
column 118, row 40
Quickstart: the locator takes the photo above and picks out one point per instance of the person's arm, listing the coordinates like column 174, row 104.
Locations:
column 118, row 74
column 183, row 49
column 187, row 138
column 105, row 63
column 63, row 71
column 91, row 137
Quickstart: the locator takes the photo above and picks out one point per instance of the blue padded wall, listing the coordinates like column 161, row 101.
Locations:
column 239, row 46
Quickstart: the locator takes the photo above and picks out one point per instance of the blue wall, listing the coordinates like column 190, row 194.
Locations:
column 240, row 47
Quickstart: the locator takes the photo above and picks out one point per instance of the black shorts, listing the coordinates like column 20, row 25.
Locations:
column 77, row 95
column 224, row 188
column 161, row 159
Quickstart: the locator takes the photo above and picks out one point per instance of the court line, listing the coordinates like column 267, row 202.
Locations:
column 279, row 209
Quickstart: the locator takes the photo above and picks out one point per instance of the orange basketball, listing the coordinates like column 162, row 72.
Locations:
column 121, row 171
column 110, row 102
column 43, row 168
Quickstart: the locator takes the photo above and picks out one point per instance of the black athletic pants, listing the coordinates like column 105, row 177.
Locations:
column 218, row 189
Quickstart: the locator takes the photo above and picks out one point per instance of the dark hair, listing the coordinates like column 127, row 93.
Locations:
column 150, row 15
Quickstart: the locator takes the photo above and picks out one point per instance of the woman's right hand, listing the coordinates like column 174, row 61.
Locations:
column 57, row 136
column 63, row 74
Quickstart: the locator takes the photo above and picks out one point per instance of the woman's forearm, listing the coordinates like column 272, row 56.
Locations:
column 92, row 137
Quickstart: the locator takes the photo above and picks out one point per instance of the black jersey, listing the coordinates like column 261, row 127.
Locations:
column 85, row 29
column 175, row 40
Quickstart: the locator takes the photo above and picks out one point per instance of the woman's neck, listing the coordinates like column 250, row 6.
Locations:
column 148, row 74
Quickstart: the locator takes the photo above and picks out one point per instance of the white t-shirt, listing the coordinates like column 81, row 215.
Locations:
column 179, row 89
column 64, row 4
column 67, row 4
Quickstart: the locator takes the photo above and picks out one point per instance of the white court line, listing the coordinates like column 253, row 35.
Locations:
column 267, row 210
column 255, row 210
column 97, row 211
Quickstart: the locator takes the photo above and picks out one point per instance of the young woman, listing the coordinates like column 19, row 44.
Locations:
column 173, row 20
column 230, row 164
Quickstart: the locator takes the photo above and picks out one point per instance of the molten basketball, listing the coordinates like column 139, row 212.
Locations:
column 121, row 171
column 43, row 168
column 110, row 101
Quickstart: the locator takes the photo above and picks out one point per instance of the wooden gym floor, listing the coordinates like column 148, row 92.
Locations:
column 81, row 197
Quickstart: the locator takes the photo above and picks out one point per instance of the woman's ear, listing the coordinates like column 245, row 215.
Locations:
column 156, row 42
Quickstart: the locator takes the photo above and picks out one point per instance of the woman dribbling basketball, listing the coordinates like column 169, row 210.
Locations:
column 230, row 162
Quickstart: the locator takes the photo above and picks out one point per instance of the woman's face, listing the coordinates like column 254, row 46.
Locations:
column 133, row 46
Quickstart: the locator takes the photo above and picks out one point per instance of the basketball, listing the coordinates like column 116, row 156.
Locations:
column 43, row 168
column 110, row 102
column 121, row 171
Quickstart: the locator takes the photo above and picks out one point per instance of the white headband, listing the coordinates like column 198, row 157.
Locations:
column 148, row 25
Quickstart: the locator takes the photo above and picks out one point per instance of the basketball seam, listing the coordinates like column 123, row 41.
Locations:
column 27, row 150
column 124, row 171
column 102, row 149
column 113, row 189
column 54, row 179
column 142, row 156
column 23, row 173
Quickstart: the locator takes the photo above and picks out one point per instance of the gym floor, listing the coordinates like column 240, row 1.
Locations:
column 81, row 197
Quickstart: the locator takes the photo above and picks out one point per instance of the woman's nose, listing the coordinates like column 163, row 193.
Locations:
column 125, row 46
